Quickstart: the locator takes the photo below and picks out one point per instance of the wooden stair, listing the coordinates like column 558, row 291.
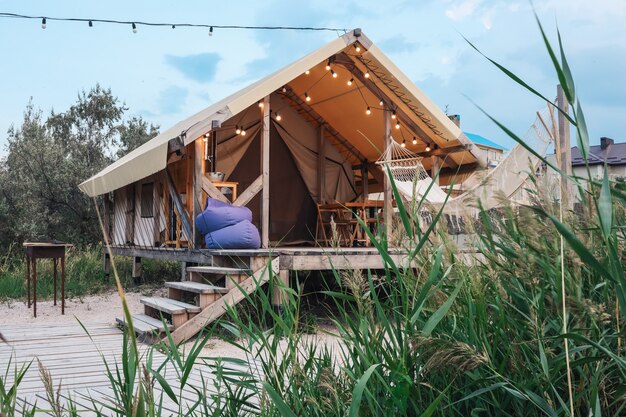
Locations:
column 192, row 305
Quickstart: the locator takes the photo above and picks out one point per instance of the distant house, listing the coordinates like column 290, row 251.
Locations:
column 613, row 153
column 493, row 152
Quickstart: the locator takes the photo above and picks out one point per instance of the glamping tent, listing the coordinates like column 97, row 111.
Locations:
column 305, row 135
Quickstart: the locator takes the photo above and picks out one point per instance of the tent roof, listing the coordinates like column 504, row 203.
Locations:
column 344, row 112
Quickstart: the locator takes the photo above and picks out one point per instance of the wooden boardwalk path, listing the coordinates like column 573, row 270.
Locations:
column 75, row 361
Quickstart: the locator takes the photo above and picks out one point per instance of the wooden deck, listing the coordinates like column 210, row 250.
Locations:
column 76, row 363
column 291, row 258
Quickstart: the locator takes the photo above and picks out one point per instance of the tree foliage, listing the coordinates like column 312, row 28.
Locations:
column 48, row 157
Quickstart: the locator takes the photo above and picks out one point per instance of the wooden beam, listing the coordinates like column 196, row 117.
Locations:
column 565, row 147
column 180, row 208
column 130, row 213
column 265, row 173
column 388, row 206
column 212, row 191
column 219, row 307
column 249, row 193
column 279, row 295
column 321, row 166
column 156, row 212
column 175, row 145
column 198, row 175
column 107, row 217
column 434, row 170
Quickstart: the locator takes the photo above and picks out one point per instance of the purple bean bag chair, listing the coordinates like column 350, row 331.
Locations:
column 243, row 235
column 218, row 215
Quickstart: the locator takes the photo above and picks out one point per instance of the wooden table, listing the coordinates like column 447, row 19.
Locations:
column 54, row 250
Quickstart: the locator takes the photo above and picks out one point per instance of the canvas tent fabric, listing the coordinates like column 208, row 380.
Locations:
column 151, row 157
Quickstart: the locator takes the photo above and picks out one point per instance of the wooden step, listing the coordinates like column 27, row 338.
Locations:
column 222, row 270
column 144, row 324
column 196, row 287
column 169, row 306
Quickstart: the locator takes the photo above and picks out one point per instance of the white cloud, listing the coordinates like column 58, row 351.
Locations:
column 463, row 10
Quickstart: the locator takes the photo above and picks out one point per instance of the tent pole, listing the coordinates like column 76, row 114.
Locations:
column 321, row 167
column 388, row 206
column 198, row 161
column 265, row 173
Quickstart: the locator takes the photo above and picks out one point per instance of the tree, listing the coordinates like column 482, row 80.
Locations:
column 47, row 159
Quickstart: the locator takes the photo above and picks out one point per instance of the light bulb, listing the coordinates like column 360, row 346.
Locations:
column 381, row 102
column 211, row 31
column 398, row 125
column 238, row 130
column 284, row 89
column 427, row 148
column 243, row 132
column 333, row 73
column 328, row 65
column 393, row 114
column 307, row 72
column 206, row 137
column 414, row 140
column 261, row 104
column 403, row 143
column 90, row 24
column 367, row 74
column 173, row 26
column 357, row 47
column 43, row 23
column 134, row 26
column 278, row 117
column 368, row 111
column 307, row 97
column 350, row 81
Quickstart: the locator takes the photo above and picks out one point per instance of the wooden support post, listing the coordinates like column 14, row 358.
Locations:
column 107, row 217
column 107, row 263
column 198, row 175
column 180, row 209
column 137, row 270
column 388, row 205
column 265, row 172
column 279, row 297
column 565, row 148
column 364, row 181
column 130, row 214
column 321, row 167
column 434, row 171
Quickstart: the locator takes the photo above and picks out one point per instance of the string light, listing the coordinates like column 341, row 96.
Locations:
column 211, row 31
column 43, row 23
column 238, row 130
column 368, row 111
column 306, row 97
column 403, row 143
column 350, row 81
column 381, row 102
column 427, row 148
column 90, row 24
column 284, row 89
column 134, row 26
column 278, row 117
column 393, row 114
column 170, row 24
column 334, row 74
column 328, row 65
column 243, row 132
column 307, row 72
column 398, row 124
column 206, row 137
column 367, row 74
column 357, row 47
column 414, row 140
column 261, row 104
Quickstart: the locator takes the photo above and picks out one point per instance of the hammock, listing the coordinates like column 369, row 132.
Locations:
column 507, row 179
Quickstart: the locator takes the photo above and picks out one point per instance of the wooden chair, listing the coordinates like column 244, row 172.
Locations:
column 329, row 214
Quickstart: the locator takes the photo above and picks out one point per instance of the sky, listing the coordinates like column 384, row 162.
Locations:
column 165, row 75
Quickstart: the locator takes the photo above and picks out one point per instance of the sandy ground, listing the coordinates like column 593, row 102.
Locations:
column 104, row 308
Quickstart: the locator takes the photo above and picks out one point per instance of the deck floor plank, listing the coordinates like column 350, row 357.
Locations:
column 75, row 361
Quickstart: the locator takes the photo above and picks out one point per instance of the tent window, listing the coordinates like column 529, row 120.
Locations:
column 147, row 199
